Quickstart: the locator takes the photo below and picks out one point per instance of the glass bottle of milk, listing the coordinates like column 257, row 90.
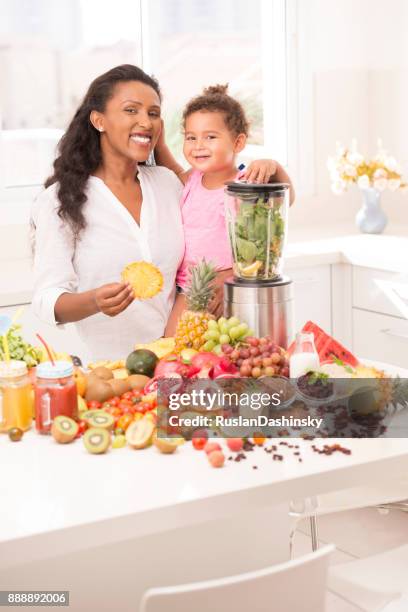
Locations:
column 304, row 357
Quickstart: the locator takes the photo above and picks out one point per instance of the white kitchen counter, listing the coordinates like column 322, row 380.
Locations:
column 384, row 252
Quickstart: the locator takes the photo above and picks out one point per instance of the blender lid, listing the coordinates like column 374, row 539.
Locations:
column 242, row 187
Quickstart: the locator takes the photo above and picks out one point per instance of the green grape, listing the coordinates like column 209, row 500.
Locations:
column 212, row 324
column 223, row 328
column 234, row 332
column 249, row 333
column 209, row 345
column 119, row 441
column 217, row 349
column 221, row 321
column 233, row 321
column 242, row 329
column 224, row 339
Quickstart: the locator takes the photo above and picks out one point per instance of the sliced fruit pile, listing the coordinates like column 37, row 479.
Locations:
column 327, row 347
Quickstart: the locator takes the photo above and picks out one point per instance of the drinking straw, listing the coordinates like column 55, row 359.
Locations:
column 17, row 315
column 45, row 345
column 6, row 348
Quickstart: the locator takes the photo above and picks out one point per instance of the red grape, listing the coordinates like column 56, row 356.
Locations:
column 256, row 372
column 285, row 372
column 257, row 361
column 269, row 371
column 267, row 361
column 227, row 349
column 254, row 351
column 245, row 370
column 239, row 362
column 252, row 341
column 245, row 354
column 263, row 341
column 234, row 355
column 275, row 358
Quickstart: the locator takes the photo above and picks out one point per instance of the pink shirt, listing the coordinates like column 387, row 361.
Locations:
column 205, row 230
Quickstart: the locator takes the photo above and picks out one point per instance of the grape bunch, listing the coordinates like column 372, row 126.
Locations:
column 224, row 331
column 257, row 357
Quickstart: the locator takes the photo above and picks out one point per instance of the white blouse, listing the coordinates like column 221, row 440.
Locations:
column 112, row 239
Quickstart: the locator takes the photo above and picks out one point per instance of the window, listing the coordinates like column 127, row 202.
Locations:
column 50, row 51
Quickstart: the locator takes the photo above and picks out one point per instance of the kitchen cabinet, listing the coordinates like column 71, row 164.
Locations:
column 380, row 336
column 312, row 295
column 380, row 315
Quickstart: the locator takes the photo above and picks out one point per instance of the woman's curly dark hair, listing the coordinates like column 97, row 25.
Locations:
column 215, row 99
column 79, row 151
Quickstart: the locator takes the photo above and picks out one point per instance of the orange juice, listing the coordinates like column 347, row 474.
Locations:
column 15, row 396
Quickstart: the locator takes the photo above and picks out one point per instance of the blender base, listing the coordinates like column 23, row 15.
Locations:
column 266, row 306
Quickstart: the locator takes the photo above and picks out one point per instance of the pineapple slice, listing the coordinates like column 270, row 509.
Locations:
column 145, row 278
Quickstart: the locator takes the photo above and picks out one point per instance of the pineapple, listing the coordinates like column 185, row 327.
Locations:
column 193, row 323
column 145, row 278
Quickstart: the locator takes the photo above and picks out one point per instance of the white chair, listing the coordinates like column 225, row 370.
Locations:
column 295, row 585
column 374, row 583
column 386, row 495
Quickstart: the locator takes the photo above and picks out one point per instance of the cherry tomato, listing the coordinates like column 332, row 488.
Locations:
column 82, row 427
column 114, row 411
column 106, row 405
column 129, row 410
column 114, row 401
column 259, row 439
column 199, row 443
column 143, row 407
column 93, row 404
column 127, row 396
column 124, row 405
column 124, row 421
column 136, row 393
column 136, row 399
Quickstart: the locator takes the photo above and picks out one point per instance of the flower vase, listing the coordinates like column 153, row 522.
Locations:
column 371, row 218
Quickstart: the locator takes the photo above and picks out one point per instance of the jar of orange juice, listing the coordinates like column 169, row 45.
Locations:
column 15, row 396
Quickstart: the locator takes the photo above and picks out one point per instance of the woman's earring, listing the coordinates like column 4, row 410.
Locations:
column 100, row 129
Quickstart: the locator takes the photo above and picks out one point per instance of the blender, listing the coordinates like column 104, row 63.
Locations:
column 257, row 217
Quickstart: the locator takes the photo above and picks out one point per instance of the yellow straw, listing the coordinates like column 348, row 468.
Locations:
column 17, row 315
column 6, row 348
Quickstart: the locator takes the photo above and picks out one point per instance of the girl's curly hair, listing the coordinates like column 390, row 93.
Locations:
column 79, row 150
column 215, row 99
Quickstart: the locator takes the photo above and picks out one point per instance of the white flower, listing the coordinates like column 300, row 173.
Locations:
column 380, row 173
column 380, row 184
column 338, row 187
column 363, row 181
column 391, row 164
column 355, row 158
column 350, row 170
column 393, row 184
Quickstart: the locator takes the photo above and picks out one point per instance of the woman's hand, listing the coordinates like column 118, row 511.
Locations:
column 113, row 298
column 261, row 171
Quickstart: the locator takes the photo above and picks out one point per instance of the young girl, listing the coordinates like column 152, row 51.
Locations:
column 215, row 131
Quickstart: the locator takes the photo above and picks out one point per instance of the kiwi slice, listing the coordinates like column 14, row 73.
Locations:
column 165, row 445
column 64, row 429
column 85, row 416
column 139, row 433
column 96, row 440
column 100, row 418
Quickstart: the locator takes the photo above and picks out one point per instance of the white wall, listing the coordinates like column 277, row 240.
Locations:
column 358, row 54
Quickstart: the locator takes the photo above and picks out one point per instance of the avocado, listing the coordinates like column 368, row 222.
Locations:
column 142, row 361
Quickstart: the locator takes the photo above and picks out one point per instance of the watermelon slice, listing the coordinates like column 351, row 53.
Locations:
column 328, row 348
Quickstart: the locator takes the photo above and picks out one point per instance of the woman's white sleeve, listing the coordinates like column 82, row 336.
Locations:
column 53, row 270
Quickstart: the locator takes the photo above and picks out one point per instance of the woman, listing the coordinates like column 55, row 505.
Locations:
column 103, row 209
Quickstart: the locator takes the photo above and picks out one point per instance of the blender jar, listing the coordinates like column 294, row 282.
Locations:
column 256, row 218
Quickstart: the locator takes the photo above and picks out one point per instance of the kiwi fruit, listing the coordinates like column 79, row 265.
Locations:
column 139, row 433
column 98, row 390
column 165, row 445
column 102, row 419
column 96, row 440
column 138, row 381
column 64, row 429
column 119, row 386
column 102, row 372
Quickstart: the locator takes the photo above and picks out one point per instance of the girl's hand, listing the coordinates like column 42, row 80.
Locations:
column 260, row 171
column 113, row 298
column 216, row 306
